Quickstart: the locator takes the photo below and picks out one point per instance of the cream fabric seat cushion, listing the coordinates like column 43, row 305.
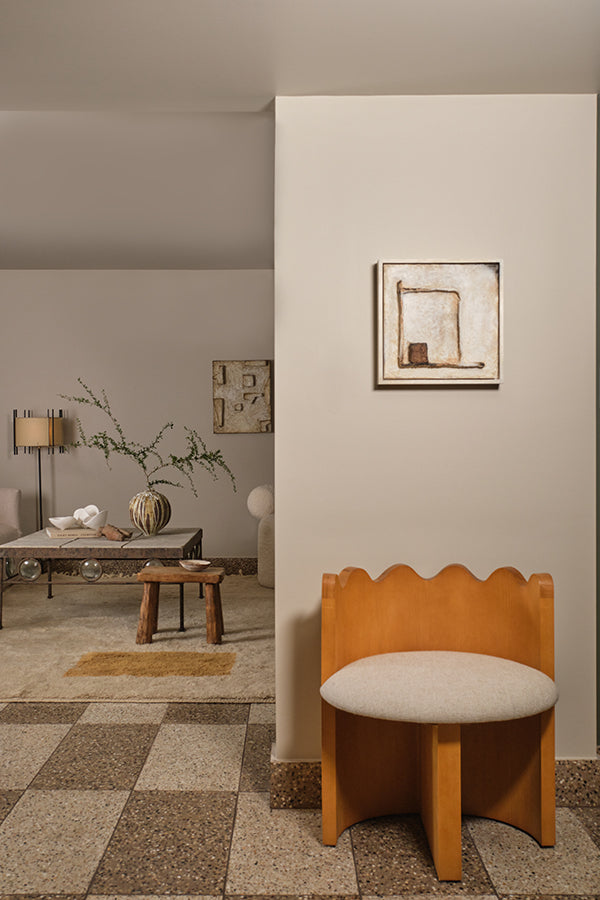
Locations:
column 439, row 687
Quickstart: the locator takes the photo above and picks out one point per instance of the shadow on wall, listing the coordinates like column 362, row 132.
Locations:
column 306, row 669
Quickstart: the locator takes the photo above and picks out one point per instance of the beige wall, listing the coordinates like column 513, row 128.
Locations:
column 148, row 338
column 136, row 190
column 486, row 477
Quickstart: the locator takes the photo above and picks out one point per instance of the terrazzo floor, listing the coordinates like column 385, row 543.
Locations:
column 145, row 800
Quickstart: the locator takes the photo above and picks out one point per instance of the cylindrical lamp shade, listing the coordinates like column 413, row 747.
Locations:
column 39, row 431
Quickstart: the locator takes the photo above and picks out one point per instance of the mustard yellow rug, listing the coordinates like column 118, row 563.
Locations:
column 153, row 664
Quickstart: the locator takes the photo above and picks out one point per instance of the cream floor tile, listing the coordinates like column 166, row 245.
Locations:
column 262, row 714
column 124, row 714
column 517, row 864
column 280, row 852
column 52, row 841
column 194, row 758
column 24, row 749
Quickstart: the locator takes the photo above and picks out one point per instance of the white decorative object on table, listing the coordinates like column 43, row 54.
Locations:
column 63, row 522
column 194, row 565
column 90, row 517
column 97, row 521
column 85, row 517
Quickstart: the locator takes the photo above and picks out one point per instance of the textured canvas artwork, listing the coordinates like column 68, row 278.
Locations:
column 439, row 323
column 242, row 396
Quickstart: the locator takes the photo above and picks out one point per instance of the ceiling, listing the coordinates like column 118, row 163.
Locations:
column 228, row 55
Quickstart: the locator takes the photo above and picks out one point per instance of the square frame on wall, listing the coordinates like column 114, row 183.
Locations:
column 439, row 323
column 242, row 396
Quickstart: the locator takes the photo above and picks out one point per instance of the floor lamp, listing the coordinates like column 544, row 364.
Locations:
column 32, row 433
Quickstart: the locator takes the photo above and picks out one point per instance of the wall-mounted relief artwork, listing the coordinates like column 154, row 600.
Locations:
column 439, row 323
column 241, row 396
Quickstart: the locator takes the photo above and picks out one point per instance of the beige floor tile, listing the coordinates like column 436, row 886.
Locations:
column 24, row 749
column 124, row 714
column 518, row 865
column 280, row 852
column 262, row 714
column 194, row 758
column 52, row 841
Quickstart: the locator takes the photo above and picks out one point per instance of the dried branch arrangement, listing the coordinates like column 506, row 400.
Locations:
column 147, row 456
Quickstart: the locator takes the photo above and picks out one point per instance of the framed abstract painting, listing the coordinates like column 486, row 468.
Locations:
column 439, row 323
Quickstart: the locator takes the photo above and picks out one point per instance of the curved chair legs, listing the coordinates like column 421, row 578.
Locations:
column 503, row 771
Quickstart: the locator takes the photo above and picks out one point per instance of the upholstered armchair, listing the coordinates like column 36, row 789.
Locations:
column 10, row 514
column 438, row 698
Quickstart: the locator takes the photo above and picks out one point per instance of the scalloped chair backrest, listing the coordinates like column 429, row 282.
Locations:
column 505, row 615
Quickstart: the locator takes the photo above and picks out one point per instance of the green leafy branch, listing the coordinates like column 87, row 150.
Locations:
column 147, row 456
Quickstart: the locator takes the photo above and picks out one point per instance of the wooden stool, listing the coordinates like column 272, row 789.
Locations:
column 154, row 576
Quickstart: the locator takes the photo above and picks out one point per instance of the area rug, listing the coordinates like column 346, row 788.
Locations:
column 152, row 665
column 42, row 639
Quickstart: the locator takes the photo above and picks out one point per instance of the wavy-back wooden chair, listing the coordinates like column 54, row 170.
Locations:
column 433, row 740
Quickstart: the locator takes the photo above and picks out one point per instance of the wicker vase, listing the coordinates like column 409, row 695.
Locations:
column 149, row 511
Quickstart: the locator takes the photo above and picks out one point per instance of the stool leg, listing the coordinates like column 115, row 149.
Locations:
column 213, row 614
column 181, row 609
column 154, row 610
column 440, row 797
column 148, row 622
column 219, row 609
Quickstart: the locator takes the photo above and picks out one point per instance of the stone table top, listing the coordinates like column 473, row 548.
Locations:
column 171, row 543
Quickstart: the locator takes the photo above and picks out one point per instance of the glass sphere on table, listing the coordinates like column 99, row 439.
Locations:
column 90, row 569
column 30, row 569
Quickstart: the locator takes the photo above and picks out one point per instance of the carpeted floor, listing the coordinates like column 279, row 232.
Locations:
column 42, row 639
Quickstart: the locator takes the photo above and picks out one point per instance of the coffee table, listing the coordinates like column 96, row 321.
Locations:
column 169, row 544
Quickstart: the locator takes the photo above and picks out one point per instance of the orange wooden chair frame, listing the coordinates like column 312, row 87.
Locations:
column 373, row 767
